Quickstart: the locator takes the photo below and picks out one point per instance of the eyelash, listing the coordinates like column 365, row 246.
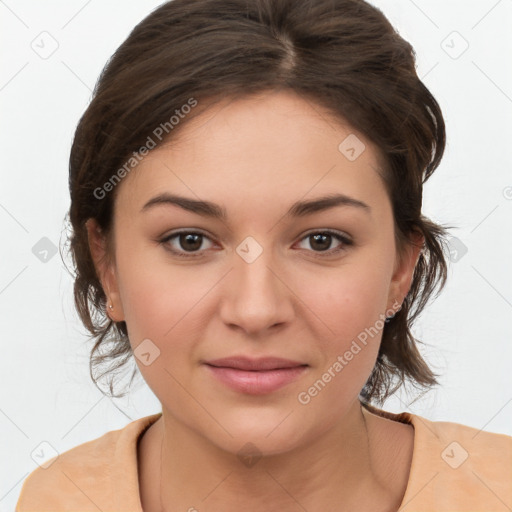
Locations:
column 346, row 242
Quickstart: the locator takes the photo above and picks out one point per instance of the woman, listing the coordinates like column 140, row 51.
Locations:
column 246, row 191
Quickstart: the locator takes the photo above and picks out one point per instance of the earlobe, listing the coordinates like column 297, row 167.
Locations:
column 104, row 269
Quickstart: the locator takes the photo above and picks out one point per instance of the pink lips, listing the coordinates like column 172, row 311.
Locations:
column 255, row 376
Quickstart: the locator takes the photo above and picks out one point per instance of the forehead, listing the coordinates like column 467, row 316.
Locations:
column 266, row 147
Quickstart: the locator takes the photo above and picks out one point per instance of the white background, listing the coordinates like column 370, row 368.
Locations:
column 46, row 392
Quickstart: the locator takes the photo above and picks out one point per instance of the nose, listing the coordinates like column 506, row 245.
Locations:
column 255, row 296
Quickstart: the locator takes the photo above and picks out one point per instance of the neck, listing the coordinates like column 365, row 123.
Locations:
column 335, row 471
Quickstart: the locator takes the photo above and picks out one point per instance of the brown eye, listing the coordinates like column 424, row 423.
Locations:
column 185, row 242
column 322, row 241
column 190, row 241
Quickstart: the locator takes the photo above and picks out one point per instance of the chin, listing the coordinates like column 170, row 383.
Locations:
column 269, row 433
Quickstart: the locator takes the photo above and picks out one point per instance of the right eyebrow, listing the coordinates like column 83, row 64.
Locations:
column 204, row 208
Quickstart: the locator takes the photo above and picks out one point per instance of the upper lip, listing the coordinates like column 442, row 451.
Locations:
column 247, row 363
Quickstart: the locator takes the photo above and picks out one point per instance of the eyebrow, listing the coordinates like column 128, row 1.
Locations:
column 298, row 209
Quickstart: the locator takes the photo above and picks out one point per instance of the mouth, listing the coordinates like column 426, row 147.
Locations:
column 249, row 364
column 255, row 376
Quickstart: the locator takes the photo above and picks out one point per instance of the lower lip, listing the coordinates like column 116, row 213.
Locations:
column 256, row 382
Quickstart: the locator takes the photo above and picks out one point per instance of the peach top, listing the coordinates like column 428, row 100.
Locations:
column 454, row 468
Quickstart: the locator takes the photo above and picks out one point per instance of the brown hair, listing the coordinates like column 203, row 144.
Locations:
column 343, row 55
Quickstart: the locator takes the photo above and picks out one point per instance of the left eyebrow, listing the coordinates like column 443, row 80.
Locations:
column 298, row 209
column 303, row 208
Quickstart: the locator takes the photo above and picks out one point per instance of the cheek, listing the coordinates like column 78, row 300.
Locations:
column 156, row 304
column 351, row 304
column 348, row 355
column 348, row 299
column 162, row 301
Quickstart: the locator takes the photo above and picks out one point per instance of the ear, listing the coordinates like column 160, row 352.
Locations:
column 404, row 270
column 105, row 270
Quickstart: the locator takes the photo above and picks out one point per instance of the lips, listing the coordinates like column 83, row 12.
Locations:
column 255, row 376
column 248, row 364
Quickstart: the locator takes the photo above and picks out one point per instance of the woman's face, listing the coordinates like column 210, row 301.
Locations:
column 270, row 279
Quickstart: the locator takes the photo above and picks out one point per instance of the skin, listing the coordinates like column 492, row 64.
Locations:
column 255, row 157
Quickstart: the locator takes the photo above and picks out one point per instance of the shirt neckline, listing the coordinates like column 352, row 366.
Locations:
column 417, row 460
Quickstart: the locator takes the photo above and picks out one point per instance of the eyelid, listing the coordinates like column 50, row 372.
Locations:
column 344, row 238
column 329, row 231
column 189, row 231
